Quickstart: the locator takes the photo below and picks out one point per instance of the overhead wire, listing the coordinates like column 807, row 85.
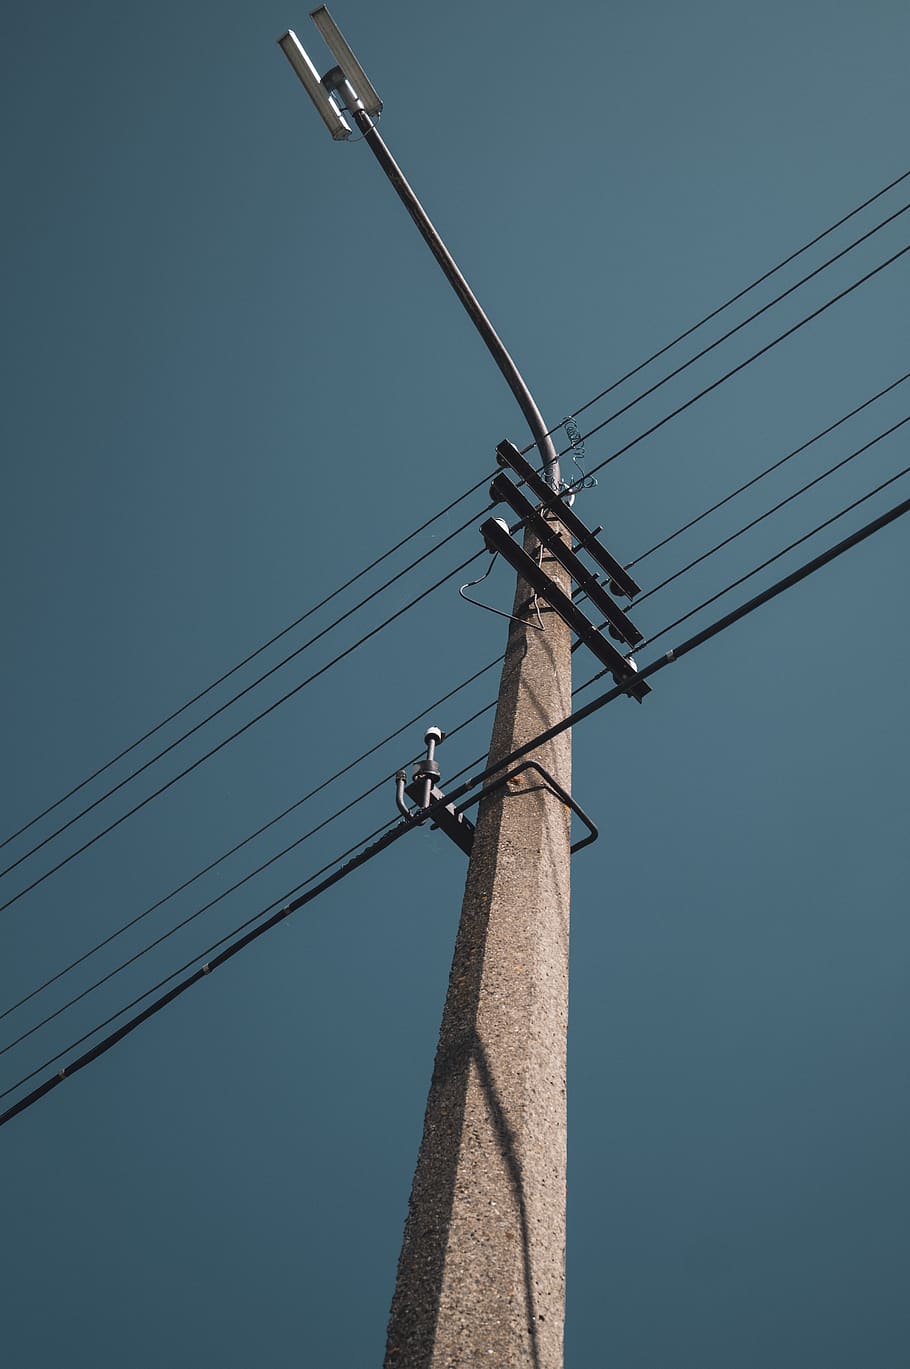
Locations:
column 235, row 698
column 478, row 486
column 238, row 732
column 392, row 834
column 734, row 299
column 798, row 541
column 756, row 570
column 444, row 698
column 297, row 842
column 347, row 807
column 98, row 983
column 735, row 370
column 451, row 505
column 766, row 513
column 687, row 332
column 698, row 356
column 740, row 489
column 251, row 656
column 775, row 508
column 203, row 954
column 726, row 541
column 191, row 917
column 159, row 903
column 746, row 527
column 577, row 689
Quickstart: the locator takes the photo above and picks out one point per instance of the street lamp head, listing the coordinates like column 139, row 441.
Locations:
column 347, row 78
column 324, row 101
column 351, row 69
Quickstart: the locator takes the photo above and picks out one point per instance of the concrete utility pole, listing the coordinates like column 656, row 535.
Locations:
column 481, row 1278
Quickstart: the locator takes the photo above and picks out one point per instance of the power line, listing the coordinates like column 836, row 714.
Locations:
column 390, row 836
column 346, row 808
column 167, row 785
column 760, row 518
column 808, row 318
column 372, row 789
column 193, row 958
column 402, row 542
column 106, row 941
column 241, row 694
column 734, row 584
column 443, row 699
column 690, row 644
column 235, row 734
column 252, row 656
column 191, row 917
column 671, row 375
column 600, row 674
column 734, row 299
column 490, row 705
column 756, row 570
column 367, row 853
column 740, row 489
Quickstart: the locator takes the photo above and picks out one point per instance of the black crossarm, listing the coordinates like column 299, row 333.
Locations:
column 502, row 489
column 497, row 539
column 508, row 455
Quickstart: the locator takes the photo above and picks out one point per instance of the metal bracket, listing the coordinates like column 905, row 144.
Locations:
column 554, row 788
column 503, row 489
column 507, row 454
column 451, row 819
column 448, row 819
column 622, row 669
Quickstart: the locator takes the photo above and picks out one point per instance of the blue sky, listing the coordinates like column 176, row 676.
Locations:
column 234, row 377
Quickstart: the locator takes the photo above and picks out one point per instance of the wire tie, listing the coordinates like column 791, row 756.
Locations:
column 671, row 655
column 61, row 1074
column 206, row 969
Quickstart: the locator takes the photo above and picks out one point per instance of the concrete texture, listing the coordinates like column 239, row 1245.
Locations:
column 481, row 1279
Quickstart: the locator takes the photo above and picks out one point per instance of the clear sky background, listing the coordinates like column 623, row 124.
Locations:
column 234, row 376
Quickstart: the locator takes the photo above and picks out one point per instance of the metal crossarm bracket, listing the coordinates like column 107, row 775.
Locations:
column 451, row 819
column 502, row 489
column 502, row 780
column 447, row 819
column 498, row 539
column 508, row 455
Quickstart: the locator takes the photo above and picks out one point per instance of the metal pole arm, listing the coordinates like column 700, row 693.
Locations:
column 464, row 292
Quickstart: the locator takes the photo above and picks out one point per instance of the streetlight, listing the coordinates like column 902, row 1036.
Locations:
column 346, row 87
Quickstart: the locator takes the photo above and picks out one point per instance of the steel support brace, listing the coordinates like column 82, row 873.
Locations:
column 453, row 822
column 502, row 781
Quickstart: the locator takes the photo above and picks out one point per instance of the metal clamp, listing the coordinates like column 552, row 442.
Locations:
column 554, row 788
